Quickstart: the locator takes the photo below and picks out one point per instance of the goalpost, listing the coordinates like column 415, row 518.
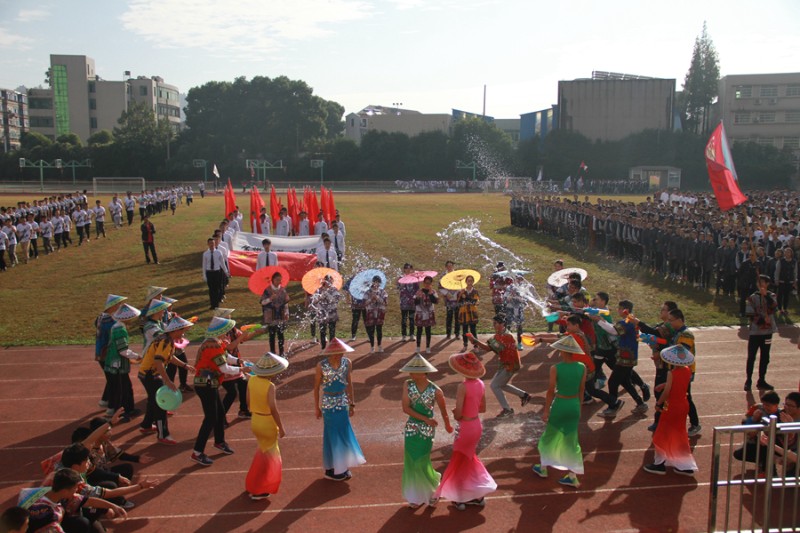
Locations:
column 117, row 185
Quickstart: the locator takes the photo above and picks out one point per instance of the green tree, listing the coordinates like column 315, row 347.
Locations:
column 490, row 148
column 140, row 142
column 32, row 139
column 701, row 84
column 384, row 156
column 100, row 138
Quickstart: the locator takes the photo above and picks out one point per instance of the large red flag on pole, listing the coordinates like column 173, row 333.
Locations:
column 323, row 205
column 274, row 207
column 312, row 206
column 721, row 171
column 331, row 206
column 230, row 199
column 256, row 204
column 294, row 209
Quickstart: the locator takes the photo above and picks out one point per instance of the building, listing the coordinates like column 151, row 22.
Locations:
column 79, row 101
column 538, row 123
column 394, row 120
column 763, row 108
column 509, row 126
column 14, row 119
column 611, row 106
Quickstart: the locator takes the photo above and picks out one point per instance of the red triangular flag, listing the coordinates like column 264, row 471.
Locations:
column 721, row 171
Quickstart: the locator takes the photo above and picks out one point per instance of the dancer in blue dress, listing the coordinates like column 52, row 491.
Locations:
column 335, row 405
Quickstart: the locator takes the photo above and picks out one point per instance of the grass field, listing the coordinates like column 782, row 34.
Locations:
column 54, row 300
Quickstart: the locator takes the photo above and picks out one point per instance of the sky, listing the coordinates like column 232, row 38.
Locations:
column 428, row 55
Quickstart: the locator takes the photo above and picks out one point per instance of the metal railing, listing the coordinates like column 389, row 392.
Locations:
column 749, row 472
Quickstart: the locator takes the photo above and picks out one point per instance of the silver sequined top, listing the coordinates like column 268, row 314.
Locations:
column 422, row 403
column 334, row 385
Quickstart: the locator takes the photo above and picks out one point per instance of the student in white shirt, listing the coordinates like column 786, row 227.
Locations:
column 46, row 227
column 327, row 255
column 337, row 240
column 11, row 236
column 264, row 221
column 34, row 249
column 115, row 210
column 320, row 226
column 99, row 220
column 341, row 224
column 214, row 273
column 130, row 206
column 3, row 247
column 24, row 239
column 266, row 258
column 283, row 227
column 303, row 227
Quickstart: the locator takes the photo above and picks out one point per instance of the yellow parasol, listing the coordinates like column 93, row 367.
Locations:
column 454, row 281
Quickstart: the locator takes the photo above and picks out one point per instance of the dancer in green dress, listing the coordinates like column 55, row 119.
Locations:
column 420, row 480
column 559, row 446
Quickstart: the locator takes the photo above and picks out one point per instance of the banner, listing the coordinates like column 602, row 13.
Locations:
column 251, row 242
column 721, row 171
column 243, row 264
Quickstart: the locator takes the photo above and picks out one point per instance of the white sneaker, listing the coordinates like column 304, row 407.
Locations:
column 371, row 349
column 404, row 338
column 379, row 349
column 352, row 339
column 427, row 351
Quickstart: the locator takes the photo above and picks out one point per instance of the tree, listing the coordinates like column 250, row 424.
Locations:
column 99, row 138
column 490, row 148
column 69, row 139
column 701, row 84
column 140, row 141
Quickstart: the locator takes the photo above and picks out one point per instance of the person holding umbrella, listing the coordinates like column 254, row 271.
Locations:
column 425, row 317
column 275, row 309
column 407, row 291
column 376, row 300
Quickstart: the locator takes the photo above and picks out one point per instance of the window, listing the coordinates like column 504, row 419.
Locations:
column 92, row 103
column 766, row 141
column 769, row 91
column 41, row 103
column 143, row 90
column 58, row 79
column 741, row 118
column 793, row 116
column 793, row 143
column 744, row 91
column 41, row 122
column 793, row 90
column 92, row 87
column 768, row 117
column 93, row 122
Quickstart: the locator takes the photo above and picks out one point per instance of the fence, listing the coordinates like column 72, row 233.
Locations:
column 748, row 472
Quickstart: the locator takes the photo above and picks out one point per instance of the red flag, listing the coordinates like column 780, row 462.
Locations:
column 244, row 263
column 256, row 204
column 331, row 206
column 230, row 199
column 274, row 207
column 323, row 204
column 294, row 209
column 721, row 171
column 311, row 206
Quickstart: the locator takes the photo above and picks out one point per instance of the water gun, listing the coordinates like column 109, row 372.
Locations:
column 652, row 340
column 248, row 327
column 596, row 311
column 552, row 317
column 528, row 339
column 193, row 319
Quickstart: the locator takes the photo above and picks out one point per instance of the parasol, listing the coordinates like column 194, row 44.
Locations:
column 560, row 277
column 454, row 281
column 313, row 279
column 262, row 278
column 417, row 276
column 362, row 281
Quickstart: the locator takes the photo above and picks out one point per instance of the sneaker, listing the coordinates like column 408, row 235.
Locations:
column 447, row 337
column 539, row 470
column 520, row 346
column 526, row 399
column 168, row 441
column 611, row 412
column 588, row 400
column 505, row 413
column 464, row 349
column 652, row 427
column 417, row 352
column 348, row 474
column 688, row 472
column 478, row 502
column 600, row 383
column 202, row 459
column 645, row 392
column 748, row 385
column 245, row 414
column 335, row 477
column 102, row 403
column 223, row 446
column 371, row 349
column 570, row 481
column 256, row 497
column 695, row 430
column 460, row 506
column 403, row 339
column 352, row 339
column 763, row 385
column 379, row 349
column 659, row 469
column 148, row 431
column 427, row 351
column 640, row 409
column 128, row 505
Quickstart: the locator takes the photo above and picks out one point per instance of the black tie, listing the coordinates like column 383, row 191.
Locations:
column 268, row 260
column 336, row 243
column 328, row 258
column 212, row 260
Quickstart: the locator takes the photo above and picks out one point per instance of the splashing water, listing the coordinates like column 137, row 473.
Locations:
column 483, row 158
column 463, row 243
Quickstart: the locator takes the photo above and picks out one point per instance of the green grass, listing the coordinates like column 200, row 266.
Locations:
column 55, row 299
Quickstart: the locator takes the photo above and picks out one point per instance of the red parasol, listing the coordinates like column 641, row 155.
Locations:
column 262, row 278
column 417, row 276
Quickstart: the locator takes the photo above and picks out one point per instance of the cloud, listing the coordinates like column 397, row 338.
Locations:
column 30, row 15
column 14, row 41
column 250, row 28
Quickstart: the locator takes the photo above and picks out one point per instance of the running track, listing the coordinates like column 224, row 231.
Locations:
column 46, row 392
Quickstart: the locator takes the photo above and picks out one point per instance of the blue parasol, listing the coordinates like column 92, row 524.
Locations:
column 362, row 281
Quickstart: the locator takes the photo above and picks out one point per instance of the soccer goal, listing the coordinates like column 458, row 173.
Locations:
column 118, row 185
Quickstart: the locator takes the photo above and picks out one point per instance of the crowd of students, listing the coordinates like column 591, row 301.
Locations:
column 43, row 227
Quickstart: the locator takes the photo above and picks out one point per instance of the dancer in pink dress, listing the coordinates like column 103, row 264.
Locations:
column 466, row 481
